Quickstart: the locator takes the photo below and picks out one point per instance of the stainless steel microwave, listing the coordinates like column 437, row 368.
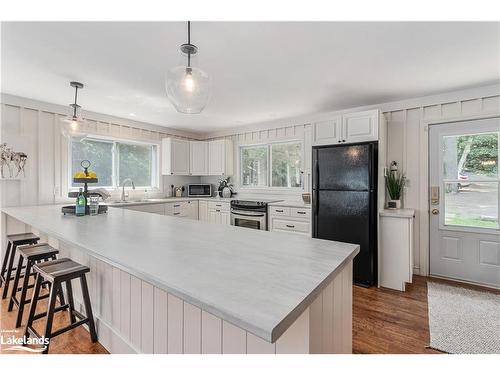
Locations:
column 199, row 190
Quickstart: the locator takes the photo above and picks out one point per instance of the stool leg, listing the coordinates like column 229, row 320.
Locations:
column 34, row 300
column 5, row 262
column 24, row 290
column 71, row 302
column 88, row 308
column 9, row 271
column 50, row 314
column 16, row 283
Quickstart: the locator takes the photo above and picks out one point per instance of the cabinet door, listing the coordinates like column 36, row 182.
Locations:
column 180, row 157
column 360, row 126
column 327, row 132
column 198, row 158
column 225, row 218
column 203, row 210
column 216, row 159
column 212, row 216
column 169, row 209
column 192, row 210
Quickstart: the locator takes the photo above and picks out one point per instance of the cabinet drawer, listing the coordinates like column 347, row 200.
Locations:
column 280, row 211
column 300, row 213
column 291, row 226
column 223, row 206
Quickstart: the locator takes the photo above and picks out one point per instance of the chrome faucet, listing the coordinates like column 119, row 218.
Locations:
column 123, row 188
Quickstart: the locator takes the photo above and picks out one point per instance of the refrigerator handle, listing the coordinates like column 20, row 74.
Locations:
column 316, row 174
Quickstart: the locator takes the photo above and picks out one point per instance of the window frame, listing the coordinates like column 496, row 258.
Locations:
column 155, row 150
column 269, row 185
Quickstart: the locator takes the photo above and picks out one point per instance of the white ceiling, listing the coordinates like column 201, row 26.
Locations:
column 261, row 70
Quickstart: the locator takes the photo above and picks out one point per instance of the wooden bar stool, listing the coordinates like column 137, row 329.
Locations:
column 13, row 241
column 57, row 272
column 31, row 254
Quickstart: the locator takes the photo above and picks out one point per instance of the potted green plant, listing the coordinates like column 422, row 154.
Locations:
column 395, row 182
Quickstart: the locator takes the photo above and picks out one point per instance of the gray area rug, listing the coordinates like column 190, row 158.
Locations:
column 463, row 321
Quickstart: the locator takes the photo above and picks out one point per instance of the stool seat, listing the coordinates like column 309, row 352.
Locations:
column 39, row 251
column 60, row 269
column 21, row 237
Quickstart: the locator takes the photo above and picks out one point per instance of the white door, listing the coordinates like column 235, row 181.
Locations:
column 464, row 201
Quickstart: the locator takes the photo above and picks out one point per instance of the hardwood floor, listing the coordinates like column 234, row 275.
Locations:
column 388, row 321
column 76, row 341
column 384, row 321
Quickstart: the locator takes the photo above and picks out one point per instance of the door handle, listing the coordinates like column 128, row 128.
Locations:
column 435, row 211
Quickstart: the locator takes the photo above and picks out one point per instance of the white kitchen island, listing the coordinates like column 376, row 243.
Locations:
column 162, row 284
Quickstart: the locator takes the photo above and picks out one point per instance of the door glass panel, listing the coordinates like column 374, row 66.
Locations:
column 470, row 157
column 471, row 204
column 470, row 176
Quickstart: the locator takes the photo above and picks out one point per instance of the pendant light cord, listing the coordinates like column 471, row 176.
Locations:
column 76, row 97
column 189, row 42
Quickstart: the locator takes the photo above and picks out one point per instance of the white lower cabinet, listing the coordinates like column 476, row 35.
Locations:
column 396, row 248
column 219, row 213
column 290, row 219
column 187, row 209
column 203, row 210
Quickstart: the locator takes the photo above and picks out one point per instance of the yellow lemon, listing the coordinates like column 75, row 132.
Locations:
column 79, row 175
column 92, row 174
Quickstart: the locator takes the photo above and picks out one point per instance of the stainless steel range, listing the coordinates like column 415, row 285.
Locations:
column 250, row 213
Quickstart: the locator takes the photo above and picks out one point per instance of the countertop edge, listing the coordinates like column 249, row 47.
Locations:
column 269, row 336
column 308, row 300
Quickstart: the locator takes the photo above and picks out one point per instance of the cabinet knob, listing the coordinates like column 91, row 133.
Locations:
column 340, row 141
column 343, row 140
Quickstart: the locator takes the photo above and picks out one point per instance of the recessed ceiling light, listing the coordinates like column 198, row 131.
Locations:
column 132, row 114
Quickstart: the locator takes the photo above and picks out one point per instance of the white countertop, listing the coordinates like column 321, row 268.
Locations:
column 260, row 281
column 400, row 212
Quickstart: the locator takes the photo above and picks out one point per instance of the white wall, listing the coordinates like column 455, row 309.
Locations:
column 35, row 128
column 403, row 144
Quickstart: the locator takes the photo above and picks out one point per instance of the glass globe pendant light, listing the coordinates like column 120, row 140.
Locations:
column 188, row 87
column 73, row 124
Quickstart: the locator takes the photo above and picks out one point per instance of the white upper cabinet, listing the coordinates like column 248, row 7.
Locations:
column 348, row 128
column 220, row 157
column 198, row 158
column 328, row 132
column 360, row 126
column 175, row 156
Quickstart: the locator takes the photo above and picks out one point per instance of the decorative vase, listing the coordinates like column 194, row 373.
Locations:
column 226, row 192
column 394, row 204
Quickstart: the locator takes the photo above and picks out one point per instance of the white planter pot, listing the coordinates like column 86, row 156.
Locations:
column 394, row 204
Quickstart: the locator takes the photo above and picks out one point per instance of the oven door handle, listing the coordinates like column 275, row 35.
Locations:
column 244, row 213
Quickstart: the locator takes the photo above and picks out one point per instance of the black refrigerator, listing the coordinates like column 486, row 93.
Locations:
column 344, row 193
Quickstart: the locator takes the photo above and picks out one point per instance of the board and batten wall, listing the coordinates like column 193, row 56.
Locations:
column 35, row 128
column 404, row 122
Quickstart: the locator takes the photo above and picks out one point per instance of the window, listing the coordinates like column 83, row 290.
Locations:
column 271, row 165
column 114, row 161
column 471, row 180
column 254, row 166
